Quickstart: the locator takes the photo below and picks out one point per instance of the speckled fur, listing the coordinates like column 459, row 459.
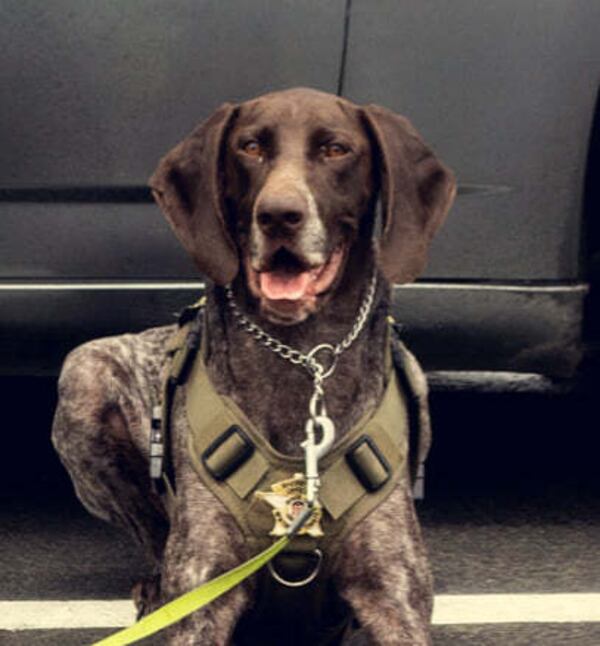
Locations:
column 107, row 389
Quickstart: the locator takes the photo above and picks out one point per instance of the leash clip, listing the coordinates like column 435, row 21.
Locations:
column 313, row 452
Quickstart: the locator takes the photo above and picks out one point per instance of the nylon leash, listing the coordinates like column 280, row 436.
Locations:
column 189, row 602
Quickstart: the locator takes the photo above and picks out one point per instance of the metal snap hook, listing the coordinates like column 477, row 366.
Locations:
column 317, row 404
column 326, row 426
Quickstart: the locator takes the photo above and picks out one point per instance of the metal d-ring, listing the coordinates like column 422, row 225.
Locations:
column 297, row 584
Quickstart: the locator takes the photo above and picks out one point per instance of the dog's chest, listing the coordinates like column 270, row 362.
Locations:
column 275, row 393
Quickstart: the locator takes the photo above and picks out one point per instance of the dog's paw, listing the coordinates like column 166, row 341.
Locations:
column 146, row 595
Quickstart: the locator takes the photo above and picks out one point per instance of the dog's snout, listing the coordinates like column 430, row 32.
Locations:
column 277, row 216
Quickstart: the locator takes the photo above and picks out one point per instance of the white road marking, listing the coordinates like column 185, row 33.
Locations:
column 516, row 608
column 449, row 609
column 38, row 615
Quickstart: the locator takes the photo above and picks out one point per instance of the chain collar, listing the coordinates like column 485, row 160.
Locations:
column 309, row 360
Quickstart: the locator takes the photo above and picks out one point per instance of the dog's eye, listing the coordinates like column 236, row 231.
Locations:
column 252, row 148
column 333, row 150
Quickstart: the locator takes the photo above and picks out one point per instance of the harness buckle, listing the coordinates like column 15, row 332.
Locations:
column 368, row 464
column 157, row 447
column 227, row 453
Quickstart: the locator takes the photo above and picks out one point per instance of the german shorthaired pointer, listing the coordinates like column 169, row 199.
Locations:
column 276, row 196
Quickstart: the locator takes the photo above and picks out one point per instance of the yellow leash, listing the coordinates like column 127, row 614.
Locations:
column 183, row 606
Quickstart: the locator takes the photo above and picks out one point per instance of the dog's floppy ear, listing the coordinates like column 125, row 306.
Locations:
column 186, row 186
column 417, row 191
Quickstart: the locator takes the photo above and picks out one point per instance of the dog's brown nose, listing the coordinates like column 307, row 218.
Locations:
column 280, row 216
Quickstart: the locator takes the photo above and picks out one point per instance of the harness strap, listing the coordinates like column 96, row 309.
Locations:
column 414, row 383
column 183, row 347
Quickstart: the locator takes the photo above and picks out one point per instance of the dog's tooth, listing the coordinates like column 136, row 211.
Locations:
column 317, row 271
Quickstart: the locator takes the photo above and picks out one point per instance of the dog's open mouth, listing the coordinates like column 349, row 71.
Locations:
column 289, row 287
column 288, row 279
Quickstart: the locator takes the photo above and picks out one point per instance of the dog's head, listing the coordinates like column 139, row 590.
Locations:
column 281, row 191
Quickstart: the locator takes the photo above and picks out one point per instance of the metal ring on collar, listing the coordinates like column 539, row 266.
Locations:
column 325, row 371
column 297, row 584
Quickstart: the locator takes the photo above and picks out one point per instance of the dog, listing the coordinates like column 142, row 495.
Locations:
column 277, row 197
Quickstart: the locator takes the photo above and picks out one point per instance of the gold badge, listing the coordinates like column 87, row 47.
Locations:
column 288, row 499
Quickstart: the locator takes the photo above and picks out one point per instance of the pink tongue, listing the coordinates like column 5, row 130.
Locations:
column 280, row 285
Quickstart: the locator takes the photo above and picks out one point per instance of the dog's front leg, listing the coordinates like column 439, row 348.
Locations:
column 204, row 542
column 383, row 572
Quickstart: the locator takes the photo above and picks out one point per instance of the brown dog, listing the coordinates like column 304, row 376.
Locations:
column 276, row 196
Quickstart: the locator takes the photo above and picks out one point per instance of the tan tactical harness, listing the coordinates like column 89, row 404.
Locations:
column 235, row 461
